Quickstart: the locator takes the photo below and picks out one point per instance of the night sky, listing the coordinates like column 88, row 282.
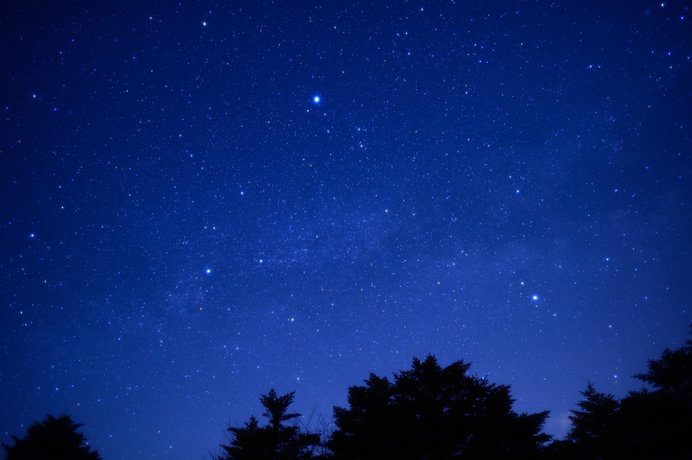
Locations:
column 201, row 201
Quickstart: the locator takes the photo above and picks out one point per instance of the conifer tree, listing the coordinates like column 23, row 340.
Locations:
column 52, row 439
column 276, row 440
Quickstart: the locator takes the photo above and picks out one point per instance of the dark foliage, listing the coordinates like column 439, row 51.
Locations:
column 592, row 423
column 274, row 441
column 52, row 439
column 656, row 424
column 672, row 373
column 644, row 425
column 430, row 412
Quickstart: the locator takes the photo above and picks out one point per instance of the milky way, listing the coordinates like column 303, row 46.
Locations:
column 201, row 202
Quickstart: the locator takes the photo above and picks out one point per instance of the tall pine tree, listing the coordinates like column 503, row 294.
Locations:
column 274, row 441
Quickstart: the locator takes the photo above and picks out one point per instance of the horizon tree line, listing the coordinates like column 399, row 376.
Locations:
column 435, row 412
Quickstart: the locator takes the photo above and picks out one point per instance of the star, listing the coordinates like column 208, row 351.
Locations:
column 432, row 193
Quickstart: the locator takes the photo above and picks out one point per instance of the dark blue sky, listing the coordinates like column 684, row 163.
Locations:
column 184, row 226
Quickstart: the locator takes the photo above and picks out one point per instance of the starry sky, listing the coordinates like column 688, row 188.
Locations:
column 201, row 201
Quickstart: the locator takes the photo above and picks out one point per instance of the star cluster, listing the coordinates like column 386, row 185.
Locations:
column 203, row 201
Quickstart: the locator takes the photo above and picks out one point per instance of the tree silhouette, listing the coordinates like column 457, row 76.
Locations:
column 655, row 424
column 276, row 407
column 592, row 426
column 274, row 441
column 672, row 373
column 643, row 425
column 436, row 413
column 52, row 439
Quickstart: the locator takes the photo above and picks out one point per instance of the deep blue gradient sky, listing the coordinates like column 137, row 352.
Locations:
column 184, row 226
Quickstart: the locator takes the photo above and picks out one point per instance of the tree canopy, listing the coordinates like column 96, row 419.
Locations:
column 52, row 439
column 434, row 412
column 644, row 424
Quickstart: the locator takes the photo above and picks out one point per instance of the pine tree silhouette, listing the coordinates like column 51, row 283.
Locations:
column 592, row 426
column 275, row 441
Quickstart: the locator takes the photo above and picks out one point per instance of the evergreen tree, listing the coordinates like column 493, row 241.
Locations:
column 655, row 424
column 275, row 441
column 430, row 412
column 643, row 425
column 672, row 373
column 52, row 439
column 592, row 426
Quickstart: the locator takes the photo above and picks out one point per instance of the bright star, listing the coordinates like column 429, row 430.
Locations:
column 534, row 298
column 207, row 271
column 316, row 99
